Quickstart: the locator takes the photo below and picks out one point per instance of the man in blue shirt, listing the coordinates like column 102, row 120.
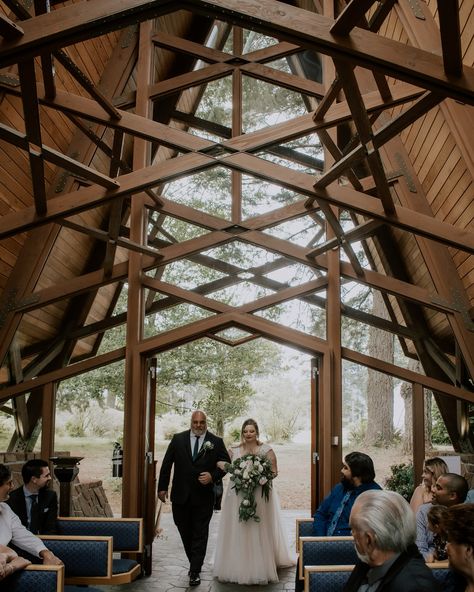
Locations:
column 332, row 516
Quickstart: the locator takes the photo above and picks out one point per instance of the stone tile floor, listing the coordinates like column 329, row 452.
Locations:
column 170, row 566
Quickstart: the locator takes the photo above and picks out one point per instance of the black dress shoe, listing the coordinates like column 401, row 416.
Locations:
column 194, row 579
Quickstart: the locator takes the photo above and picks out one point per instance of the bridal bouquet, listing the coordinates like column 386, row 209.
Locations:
column 246, row 474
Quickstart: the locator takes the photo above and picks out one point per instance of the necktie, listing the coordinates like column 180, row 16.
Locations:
column 337, row 514
column 196, row 447
column 34, row 516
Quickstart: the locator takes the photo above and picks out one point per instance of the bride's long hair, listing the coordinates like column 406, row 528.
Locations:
column 246, row 423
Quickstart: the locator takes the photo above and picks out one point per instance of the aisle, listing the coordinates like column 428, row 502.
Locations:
column 170, row 566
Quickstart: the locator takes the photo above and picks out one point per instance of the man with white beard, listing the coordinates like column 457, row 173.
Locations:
column 384, row 530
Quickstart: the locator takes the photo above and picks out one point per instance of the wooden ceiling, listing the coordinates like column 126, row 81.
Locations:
column 98, row 117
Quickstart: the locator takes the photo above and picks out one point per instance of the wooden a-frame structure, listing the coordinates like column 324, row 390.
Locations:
column 97, row 117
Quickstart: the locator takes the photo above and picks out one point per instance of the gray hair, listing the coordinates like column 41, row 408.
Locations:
column 388, row 516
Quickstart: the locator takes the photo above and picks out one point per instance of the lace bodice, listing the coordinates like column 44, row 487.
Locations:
column 237, row 451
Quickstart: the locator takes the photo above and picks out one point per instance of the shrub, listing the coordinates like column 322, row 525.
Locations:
column 401, row 480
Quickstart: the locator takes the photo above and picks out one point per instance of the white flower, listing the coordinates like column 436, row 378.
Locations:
column 246, row 502
column 208, row 445
column 262, row 480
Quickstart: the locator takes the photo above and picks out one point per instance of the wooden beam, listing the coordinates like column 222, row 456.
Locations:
column 349, row 199
column 448, row 14
column 67, row 372
column 407, row 375
column 369, row 50
column 350, row 16
column 8, row 29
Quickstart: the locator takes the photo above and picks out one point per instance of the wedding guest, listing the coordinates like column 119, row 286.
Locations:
column 251, row 542
column 458, row 523
column 450, row 489
column 383, row 526
column 432, row 469
column 10, row 562
column 34, row 503
column 435, row 518
column 12, row 530
column 332, row 516
column 193, row 455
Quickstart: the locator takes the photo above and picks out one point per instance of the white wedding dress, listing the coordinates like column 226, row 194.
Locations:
column 251, row 552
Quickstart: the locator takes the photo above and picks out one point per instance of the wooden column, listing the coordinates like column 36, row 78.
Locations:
column 333, row 313
column 135, row 371
column 48, row 420
column 418, row 406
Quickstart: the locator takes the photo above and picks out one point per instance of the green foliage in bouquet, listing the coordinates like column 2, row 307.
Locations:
column 247, row 473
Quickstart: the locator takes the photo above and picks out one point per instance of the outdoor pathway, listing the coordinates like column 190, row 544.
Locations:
column 170, row 567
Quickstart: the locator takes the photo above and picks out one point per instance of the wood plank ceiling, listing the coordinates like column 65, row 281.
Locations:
column 98, row 117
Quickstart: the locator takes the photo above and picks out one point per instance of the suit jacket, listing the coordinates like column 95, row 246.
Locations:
column 409, row 573
column 47, row 504
column 186, row 487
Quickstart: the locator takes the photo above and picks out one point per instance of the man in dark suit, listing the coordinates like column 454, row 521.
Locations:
column 194, row 454
column 34, row 503
column 384, row 530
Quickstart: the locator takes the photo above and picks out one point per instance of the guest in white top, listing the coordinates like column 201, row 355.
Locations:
column 13, row 531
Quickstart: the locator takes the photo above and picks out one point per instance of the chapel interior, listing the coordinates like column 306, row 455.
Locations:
column 101, row 115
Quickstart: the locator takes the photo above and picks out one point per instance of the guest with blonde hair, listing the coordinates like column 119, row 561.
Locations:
column 432, row 469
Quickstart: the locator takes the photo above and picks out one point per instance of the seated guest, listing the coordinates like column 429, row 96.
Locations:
column 12, row 530
column 432, row 469
column 383, row 526
column 450, row 489
column 458, row 523
column 435, row 518
column 34, row 503
column 332, row 516
column 10, row 562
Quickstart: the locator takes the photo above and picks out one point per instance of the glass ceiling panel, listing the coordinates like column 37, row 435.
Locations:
column 240, row 294
column 293, row 275
column 303, row 231
column 209, row 191
column 189, row 275
column 216, row 102
column 265, row 104
column 259, row 197
column 242, row 255
column 254, row 41
column 299, row 315
column 174, row 317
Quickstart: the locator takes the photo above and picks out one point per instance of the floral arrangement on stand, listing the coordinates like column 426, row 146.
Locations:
column 246, row 474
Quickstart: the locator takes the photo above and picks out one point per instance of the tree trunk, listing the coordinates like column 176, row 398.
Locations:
column 380, row 386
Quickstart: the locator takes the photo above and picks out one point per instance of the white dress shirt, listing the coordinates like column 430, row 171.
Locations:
column 11, row 529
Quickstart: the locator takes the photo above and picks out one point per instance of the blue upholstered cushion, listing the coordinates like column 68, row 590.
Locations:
column 126, row 533
column 31, row 581
column 328, row 581
column 305, row 528
column 122, row 565
column 332, row 552
column 81, row 558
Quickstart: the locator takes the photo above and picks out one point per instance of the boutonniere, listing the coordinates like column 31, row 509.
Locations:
column 208, row 445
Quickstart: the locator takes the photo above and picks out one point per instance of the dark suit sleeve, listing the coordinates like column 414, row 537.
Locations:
column 223, row 455
column 49, row 523
column 166, row 466
column 17, row 503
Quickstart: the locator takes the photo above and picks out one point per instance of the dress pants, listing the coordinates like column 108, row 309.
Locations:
column 192, row 521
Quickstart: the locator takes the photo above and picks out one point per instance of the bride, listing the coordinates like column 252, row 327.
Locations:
column 250, row 552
